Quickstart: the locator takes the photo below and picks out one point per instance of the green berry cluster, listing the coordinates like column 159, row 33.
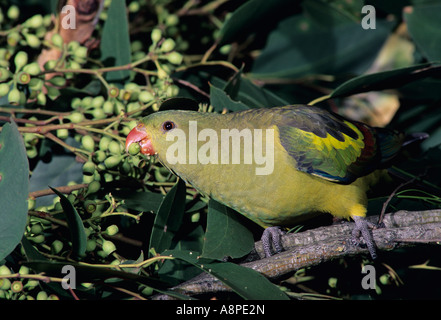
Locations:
column 21, row 287
column 91, row 121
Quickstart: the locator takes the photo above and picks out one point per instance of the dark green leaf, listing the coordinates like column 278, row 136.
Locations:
column 220, row 100
column 300, row 46
column 225, row 235
column 169, row 218
column 76, row 227
column 145, row 201
column 115, row 41
column 30, row 252
column 385, row 80
column 247, row 17
column 14, row 188
column 424, row 24
column 246, row 282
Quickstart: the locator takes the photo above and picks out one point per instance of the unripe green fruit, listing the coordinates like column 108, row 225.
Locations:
column 31, row 284
column 93, row 187
column 4, row 89
column 62, row 133
column 145, row 96
column 20, row 60
column 104, row 143
column 72, row 46
column 172, row 91
column 37, row 239
column 88, row 143
column 98, row 114
column 57, row 40
column 156, row 35
column 5, row 284
column 76, row 117
column 31, row 152
column 32, row 40
column 126, row 167
column 108, row 107
column 90, row 245
column 13, row 12
column 16, row 286
column 97, row 102
column 168, row 45
column 175, row 58
column 36, row 84
column 42, row 295
column 56, row 246
column 41, row 98
column 23, row 78
column 112, row 230
column 172, row 20
column 134, row 149
column 34, row 22
column 50, row 65
column 89, row 168
column 195, row 217
column 53, row 297
column 99, row 156
column 81, row 52
column 5, row 74
column 112, row 161
column 32, row 68
column 52, row 92
column 90, row 206
column 113, row 92
column 147, row 291
column 13, row 38
column 14, row 97
column 119, row 107
column 4, row 270
column 133, row 7
column 36, row 229
column 108, row 247
column 114, row 147
column 23, row 270
column 58, row 81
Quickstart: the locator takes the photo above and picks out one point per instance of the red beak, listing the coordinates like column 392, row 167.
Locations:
column 140, row 135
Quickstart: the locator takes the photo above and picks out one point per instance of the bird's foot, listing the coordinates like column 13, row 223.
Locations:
column 362, row 235
column 271, row 237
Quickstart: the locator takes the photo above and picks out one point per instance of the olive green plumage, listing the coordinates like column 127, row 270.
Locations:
column 322, row 162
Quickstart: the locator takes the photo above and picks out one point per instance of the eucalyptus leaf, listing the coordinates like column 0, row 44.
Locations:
column 246, row 282
column 76, row 226
column 300, row 47
column 14, row 188
column 169, row 218
column 115, row 41
column 424, row 24
column 225, row 234
column 386, row 80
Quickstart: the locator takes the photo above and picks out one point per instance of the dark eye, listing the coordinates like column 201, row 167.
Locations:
column 168, row 125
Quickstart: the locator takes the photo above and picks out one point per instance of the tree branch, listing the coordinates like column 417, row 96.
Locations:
column 312, row 247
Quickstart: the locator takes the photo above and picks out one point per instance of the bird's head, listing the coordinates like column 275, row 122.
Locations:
column 151, row 131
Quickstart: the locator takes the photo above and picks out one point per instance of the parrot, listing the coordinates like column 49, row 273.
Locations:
column 276, row 166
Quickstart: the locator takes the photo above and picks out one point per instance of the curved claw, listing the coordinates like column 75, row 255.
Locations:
column 272, row 237
column 361, row 228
